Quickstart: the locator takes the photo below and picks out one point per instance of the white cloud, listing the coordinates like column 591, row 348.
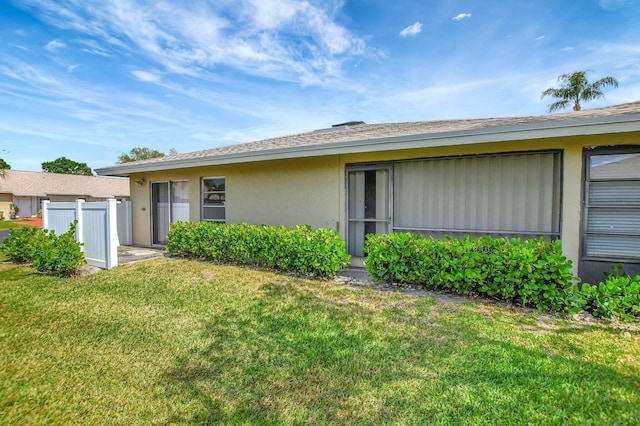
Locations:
column 567, row 49
column 54, row 45
column 28, row 74
column 271, row 14
column 412, row 30
column 70, row 68
column 461, row 16
column 621, row 49
column 616, row 4
column 94, row 48
column 540, row 37
column 146, row 76
column 290, row 40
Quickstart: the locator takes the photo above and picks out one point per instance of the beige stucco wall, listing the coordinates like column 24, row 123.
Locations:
column 286, row 192
column 304, row 191
column 5, row 202
column 312, row 190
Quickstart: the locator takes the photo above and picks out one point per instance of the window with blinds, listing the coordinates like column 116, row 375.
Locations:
column 612, row 206
column 514, row 195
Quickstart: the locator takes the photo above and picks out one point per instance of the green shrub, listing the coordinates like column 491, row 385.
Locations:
column 58, row 254
column 1, row 215
column 617, row 296
column 19, row 245
column 45, row 250
column 532, row 273
column 13, row 211
column 318, row 252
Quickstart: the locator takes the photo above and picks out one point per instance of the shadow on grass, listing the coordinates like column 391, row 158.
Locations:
column 270, row 362
column 16, row 272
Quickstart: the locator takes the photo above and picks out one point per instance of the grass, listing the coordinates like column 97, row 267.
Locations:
column 15, row 224
column 187, row 342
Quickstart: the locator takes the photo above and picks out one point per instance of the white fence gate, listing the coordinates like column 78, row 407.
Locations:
column 102, row 226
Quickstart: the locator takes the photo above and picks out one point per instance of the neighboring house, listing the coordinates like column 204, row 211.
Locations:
column 27, row 189
column 572, row 176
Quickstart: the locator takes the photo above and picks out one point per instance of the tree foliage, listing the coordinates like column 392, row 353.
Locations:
column 4, row 166
column 66, row 166
column 575, row 87
column 140, row 153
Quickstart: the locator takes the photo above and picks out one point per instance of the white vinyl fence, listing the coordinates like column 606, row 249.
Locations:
column 102, row 225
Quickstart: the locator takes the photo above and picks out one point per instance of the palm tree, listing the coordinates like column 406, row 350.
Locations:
column 574, row 88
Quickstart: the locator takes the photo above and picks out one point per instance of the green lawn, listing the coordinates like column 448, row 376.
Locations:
column 14, row 224
column 179, row 342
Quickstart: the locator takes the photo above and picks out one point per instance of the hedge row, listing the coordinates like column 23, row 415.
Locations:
column 319, row 252
column 48, row 252
column 532, row 273
column 618, row 296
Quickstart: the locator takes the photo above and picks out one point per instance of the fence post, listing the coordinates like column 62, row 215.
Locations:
column 79, row 226
column 112, row 235
column 45, row 214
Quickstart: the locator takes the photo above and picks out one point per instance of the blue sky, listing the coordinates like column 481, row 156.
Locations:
column 89, row 80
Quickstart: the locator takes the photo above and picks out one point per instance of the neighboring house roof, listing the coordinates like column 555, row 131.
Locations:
column 41, row 184
column 354, row 137
column 623, row 166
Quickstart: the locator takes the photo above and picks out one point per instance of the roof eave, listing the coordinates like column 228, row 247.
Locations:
column 29, row 194
column 540, row 130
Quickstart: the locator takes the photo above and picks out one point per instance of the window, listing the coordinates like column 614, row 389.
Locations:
column 179, row 201
column 213, row 199
column 612, row 206
column 515, row 195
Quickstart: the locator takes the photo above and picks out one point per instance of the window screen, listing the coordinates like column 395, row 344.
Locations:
column 512, row 194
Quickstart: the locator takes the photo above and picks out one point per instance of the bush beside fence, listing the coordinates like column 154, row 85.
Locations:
column 48, row 252
column 319, row 252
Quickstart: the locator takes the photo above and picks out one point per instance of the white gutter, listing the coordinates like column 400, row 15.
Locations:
column 539, row 130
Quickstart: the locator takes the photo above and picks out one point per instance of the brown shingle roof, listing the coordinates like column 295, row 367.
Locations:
column 24, row 183
column 373, row 132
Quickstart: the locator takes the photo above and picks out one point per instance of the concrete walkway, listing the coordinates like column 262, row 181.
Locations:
column 132, row 254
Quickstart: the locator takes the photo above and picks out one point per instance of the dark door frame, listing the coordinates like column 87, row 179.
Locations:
column 592, row 269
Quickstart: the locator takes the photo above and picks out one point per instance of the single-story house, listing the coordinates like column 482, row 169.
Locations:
column 27, row 189
column 572, row 176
